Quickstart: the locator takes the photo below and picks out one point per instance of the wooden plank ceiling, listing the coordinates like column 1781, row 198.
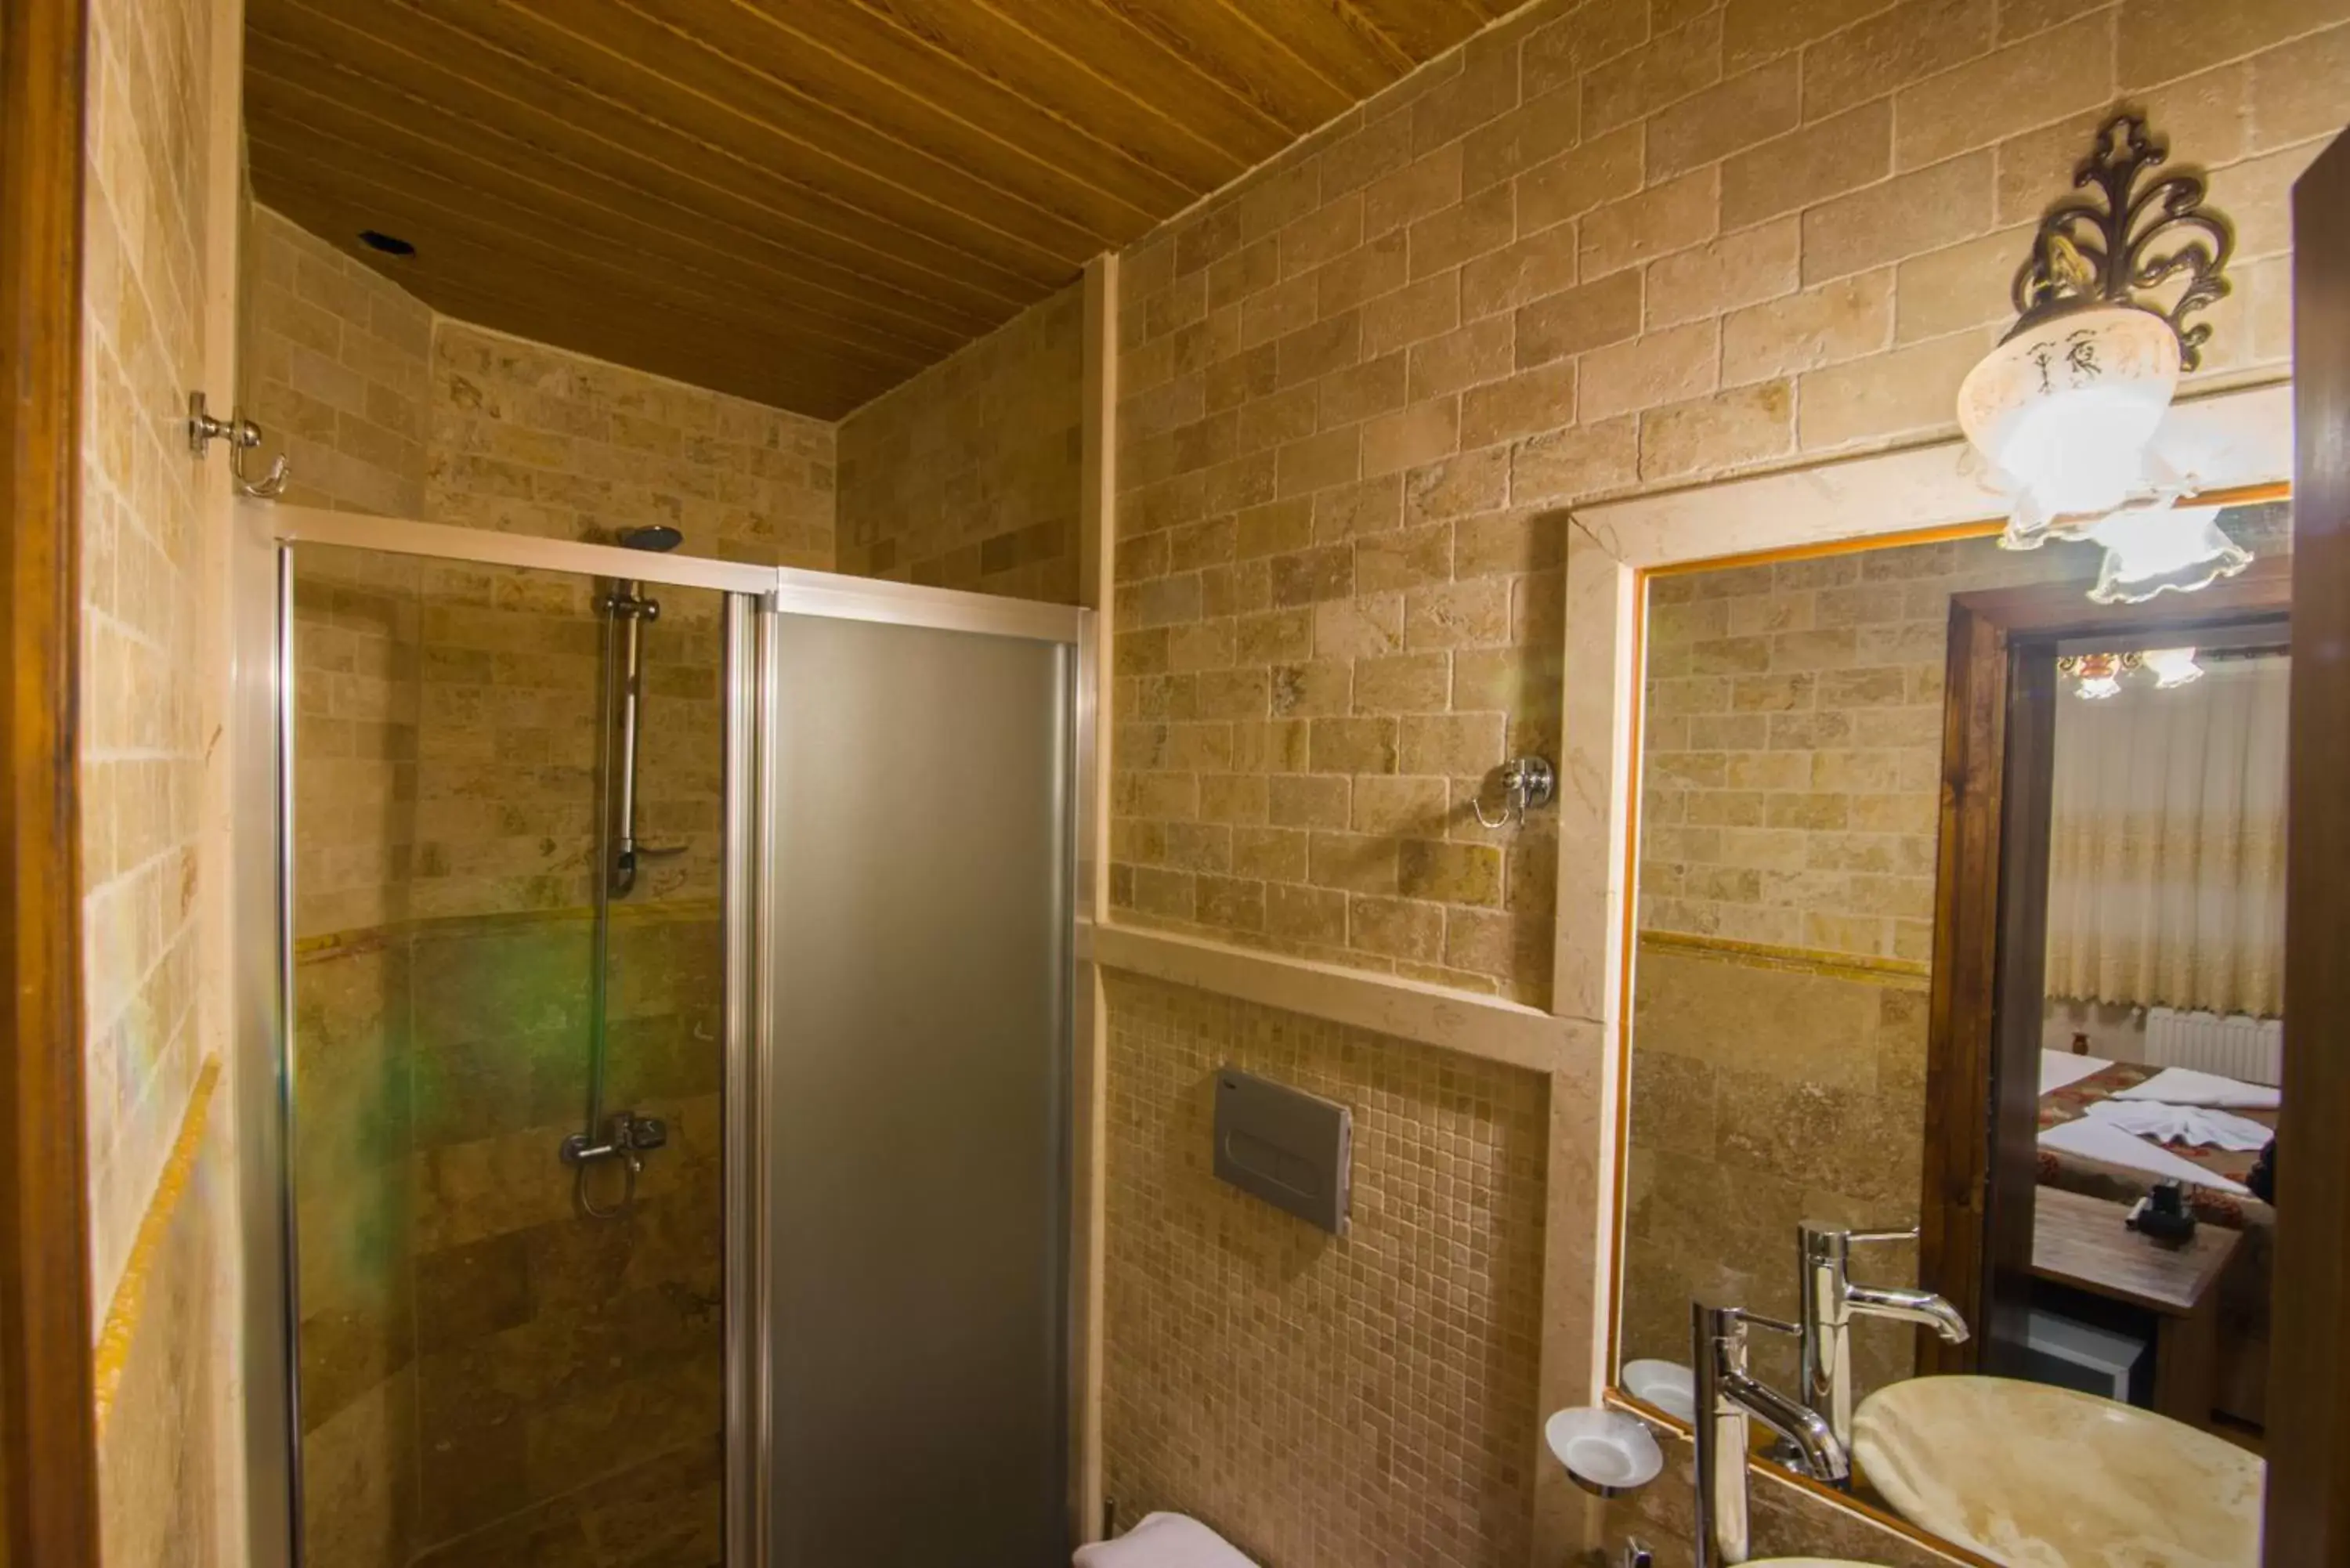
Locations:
column 803, row 201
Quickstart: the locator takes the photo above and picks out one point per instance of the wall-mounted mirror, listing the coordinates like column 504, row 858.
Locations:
column 1955, row 1026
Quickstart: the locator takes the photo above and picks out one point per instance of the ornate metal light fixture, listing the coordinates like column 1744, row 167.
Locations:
column 2098, row 676
column 2066, row 409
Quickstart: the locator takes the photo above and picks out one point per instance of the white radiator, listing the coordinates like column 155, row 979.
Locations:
column 2236, row 1046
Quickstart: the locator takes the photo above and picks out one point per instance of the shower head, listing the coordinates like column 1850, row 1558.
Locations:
column 654, row 537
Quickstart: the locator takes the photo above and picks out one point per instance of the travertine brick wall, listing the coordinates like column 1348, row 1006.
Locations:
column 1791, row 739
column 165, row 1463
column 1792, row 742
column 336, row 368
column 534, row 439
column 385, row 408
column 1607, row 247
column 967, row 475
column 142, row 671
column 1322, row 1401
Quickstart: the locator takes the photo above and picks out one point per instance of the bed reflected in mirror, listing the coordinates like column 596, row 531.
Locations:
column 2162, row 1027
column 1956, row 1011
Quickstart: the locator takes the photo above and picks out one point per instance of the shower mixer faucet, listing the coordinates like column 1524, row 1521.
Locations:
column 628, row 1136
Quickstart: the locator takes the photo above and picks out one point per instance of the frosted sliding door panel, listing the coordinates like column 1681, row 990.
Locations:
column 917, row 1092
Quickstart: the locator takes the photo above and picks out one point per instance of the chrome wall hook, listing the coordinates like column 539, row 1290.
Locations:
column 243, row 436
column 1526, row 783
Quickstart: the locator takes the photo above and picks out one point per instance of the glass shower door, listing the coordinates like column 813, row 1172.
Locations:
column 501, row 1357
column 919, row 875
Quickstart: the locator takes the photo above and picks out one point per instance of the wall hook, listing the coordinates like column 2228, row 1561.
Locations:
column 1526, row 783
column 243, row 436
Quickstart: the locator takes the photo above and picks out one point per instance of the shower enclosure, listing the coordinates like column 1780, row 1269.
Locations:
column 771, row 875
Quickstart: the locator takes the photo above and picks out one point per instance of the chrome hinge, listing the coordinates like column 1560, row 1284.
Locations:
column 243, row 436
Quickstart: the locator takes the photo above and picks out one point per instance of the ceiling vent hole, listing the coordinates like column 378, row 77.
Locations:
column 390, row 244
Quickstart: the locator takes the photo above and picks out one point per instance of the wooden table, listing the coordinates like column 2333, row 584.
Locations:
column 2082, row 1242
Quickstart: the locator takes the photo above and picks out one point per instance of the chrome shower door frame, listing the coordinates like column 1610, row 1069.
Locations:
column 263, row 717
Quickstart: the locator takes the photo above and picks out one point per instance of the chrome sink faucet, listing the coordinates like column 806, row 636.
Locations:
column 1729, row 1399
column 1831, row 1301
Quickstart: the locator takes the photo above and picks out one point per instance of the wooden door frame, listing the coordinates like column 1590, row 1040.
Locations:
column 49, row 1460
column 1981, row 1063
column 2308, row 1522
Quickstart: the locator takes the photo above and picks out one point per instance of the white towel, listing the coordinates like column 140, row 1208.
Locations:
column 2108, row 1145
column 1164, row 1541
column 2185, row 1086
column 2194, row 1125
column 2061, row 1068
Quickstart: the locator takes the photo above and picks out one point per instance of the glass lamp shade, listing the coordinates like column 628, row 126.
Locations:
column 2100, row 677
column 2064, row 414
column 2172, row 667
column 2153, row 550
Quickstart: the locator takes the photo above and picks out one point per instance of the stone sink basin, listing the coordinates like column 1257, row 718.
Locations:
column 2038, row 1477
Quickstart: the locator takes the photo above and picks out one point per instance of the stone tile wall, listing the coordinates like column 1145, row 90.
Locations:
column 1601, row 248
column 336, row 367
column 1791, row 744
column 1792, row 737
column 167, row 1443
column 166, row 1467
column 1322, row 1400
column 531, row 440
column 143, row 673
column 967, row 475
column 1765, row 1095
column 385, row 407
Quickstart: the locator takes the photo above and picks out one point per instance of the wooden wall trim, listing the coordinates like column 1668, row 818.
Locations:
column 1955, row 1180
column 1481, row 1027
column 49, row 1460
column 2308, row 1519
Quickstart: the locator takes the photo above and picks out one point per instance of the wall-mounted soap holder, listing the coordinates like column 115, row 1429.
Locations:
column 1607, row 1452
column 1669, row 1385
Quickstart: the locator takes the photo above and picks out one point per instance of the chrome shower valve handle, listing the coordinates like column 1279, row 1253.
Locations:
column 1527, row 783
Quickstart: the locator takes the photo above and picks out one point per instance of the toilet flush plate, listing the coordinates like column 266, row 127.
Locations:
column 1289, row 1147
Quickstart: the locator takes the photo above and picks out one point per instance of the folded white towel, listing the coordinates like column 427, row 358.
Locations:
column 2108, row 1145
column 1164, row 1541
column 2185, row 1086
column 2195, row 1125
column 2060, row 1068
